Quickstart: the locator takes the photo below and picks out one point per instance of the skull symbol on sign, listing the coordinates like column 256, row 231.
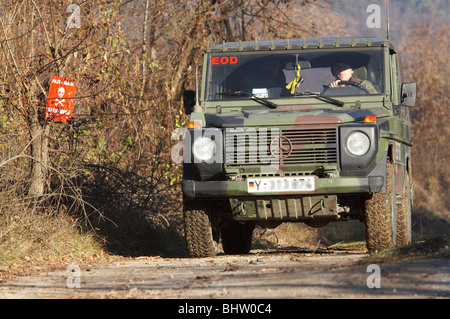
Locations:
column 61, row 92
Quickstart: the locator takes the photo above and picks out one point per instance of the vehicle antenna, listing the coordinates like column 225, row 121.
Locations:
column 387, row 19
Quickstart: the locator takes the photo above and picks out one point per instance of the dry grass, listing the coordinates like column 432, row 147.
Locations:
column 31, row 237
column 302, row 235
column 436, row 247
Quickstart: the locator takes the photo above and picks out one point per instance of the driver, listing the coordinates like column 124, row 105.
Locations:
column 343, row 72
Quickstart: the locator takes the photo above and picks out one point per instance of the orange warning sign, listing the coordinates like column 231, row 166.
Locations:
column 60, row 99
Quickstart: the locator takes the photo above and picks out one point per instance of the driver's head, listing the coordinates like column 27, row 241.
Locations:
column 342, row 71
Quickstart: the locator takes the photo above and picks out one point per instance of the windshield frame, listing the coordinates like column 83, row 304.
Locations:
column 220, row 59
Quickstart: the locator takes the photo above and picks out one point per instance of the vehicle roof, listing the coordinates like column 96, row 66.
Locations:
column 296, row 44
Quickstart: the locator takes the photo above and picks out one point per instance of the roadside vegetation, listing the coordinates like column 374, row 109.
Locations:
column 105, row 183
column 437, row 247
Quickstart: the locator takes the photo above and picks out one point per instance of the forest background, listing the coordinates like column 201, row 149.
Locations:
column 106, row 182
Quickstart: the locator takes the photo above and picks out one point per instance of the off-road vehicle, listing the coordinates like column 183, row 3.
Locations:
column 269, row 141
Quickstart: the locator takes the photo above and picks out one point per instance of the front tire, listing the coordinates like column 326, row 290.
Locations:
column 381, row 216
column 199, row 234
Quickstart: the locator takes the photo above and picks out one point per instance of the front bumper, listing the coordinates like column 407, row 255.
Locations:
column 222, row 189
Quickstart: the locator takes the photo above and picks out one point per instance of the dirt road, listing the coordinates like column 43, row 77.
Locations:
column 262, row 274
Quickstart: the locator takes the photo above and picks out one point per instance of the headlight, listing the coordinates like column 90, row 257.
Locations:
column 358, row 143
column 204, row 148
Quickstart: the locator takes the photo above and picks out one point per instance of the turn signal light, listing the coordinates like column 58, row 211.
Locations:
column 370, row 119
column 194, row 124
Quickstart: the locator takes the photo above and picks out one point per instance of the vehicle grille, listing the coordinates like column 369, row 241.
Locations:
column 286, row 147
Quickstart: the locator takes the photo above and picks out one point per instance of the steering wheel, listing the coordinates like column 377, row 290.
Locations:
column 359, row 86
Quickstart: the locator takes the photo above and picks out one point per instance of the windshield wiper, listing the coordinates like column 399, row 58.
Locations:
column 321, row 97
column 254, row 97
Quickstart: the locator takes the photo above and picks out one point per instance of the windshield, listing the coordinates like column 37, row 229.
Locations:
column 278, row 75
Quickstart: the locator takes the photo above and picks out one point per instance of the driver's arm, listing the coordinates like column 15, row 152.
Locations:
column 369, row 87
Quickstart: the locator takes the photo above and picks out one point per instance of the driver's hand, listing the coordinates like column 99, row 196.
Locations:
column 334, row 84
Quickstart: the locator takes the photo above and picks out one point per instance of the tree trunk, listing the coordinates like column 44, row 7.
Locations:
column 39, row 152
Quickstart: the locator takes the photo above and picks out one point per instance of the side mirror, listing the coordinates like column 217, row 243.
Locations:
column 409, row 94
column 188, row 101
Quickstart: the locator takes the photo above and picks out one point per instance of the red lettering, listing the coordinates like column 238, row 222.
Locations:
column 224, row 60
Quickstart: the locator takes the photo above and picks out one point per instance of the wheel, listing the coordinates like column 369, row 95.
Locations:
column 199, row 234
column 404, row 215
column 236, row 237
column 381, row 216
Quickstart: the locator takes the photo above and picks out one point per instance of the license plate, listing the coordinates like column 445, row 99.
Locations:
column 281, row 184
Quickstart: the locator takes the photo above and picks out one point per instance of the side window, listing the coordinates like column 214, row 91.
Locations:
column 395, row 80
column 399, row 68
column 404, row 111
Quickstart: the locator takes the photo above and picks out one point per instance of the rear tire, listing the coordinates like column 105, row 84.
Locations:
column 199, row 234
column 404, row 215
column 381, row 216
column 237, row 237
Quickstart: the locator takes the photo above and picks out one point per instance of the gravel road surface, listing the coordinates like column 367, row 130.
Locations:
column 279, row 274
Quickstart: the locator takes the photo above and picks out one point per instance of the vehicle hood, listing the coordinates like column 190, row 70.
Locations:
column 291, row 116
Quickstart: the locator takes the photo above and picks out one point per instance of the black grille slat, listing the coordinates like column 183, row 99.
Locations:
column 309, row 146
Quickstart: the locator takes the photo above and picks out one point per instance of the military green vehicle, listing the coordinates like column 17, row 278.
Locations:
column 300, row 130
